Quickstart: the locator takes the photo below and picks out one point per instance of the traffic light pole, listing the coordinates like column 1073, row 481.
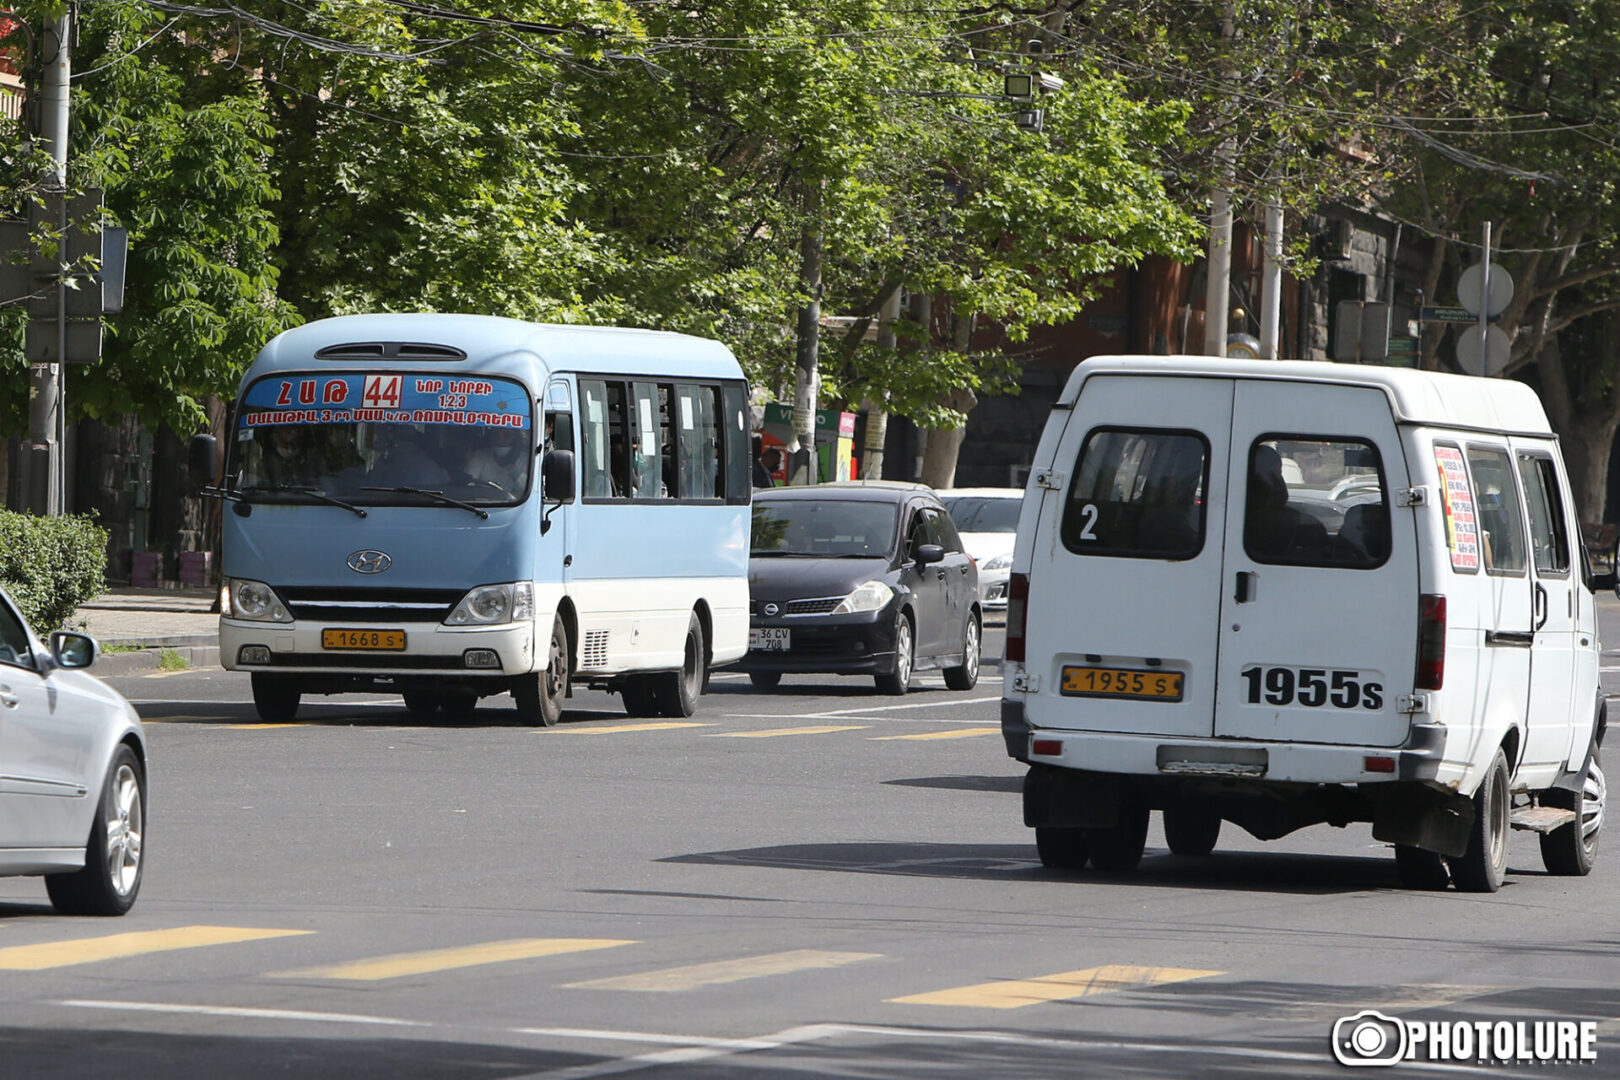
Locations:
column 46, row 471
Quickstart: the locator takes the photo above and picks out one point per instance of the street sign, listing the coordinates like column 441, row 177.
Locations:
column 1497, row 349
column 1447, row 314
column 1469, row 284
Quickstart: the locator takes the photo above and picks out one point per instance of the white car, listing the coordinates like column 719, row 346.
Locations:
column 72, row 773
column 987, row 519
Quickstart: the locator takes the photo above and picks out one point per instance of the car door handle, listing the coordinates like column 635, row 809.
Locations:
column 1247, row 582
column 7, row 697
column 1541, row 607
column 1512, row 639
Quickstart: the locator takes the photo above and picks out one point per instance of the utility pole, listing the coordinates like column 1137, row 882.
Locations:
column 46, row 470
column 807, row 376
column 1217, row 286
column 1271, row 281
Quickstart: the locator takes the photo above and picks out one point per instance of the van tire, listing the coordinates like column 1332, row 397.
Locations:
column 765, row 680
column 539, row 695
column 1420, row 869
column 1120, row 847
column 1570, row 850
column 639, row 695
column 895, row 683
column 275, row 697
column 1191, row 830
column 1060, row 848
column 677, row 692
column 966, row 675
column 421, row 702
column 1483, row 866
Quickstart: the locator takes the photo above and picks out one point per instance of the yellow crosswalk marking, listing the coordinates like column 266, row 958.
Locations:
column 582, row 730
column 423, row 963
column 773, row 732
column 1065, row 986
column 118, row 946
column 955, row 733
column 725, row 971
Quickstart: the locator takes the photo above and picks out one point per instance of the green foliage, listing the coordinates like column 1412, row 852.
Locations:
column 51, row 565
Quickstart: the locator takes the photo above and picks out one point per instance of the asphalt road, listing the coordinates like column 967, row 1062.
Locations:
column 814, row 882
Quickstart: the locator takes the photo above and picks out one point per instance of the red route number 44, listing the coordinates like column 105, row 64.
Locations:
column 381, row 391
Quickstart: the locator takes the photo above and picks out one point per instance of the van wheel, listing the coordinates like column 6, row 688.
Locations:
column 966, row 676
column 765, row 680
column 458, row 704
column 112, row 855
column 898, row 681
column 275, row 697
column 1483, row 866
column 1120, row 847
column 1420, row 869
column 421, row 702
column 540, row 695
column 677, row 692
column 1570, row 850
column 639, row 696
column 1061, row 849
column 1191, row 830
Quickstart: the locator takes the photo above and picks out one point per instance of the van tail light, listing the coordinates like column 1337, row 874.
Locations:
column 1017, row 609
column 1431, row 654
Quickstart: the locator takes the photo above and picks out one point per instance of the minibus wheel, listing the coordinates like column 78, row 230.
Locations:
column 421, row 702
column 1483, row 866
column 1570, row 850
column 275, row 697
column 1190, row 830
column 539, row 696
column 1120, row 847
column 1420, row 869
column 639, row 696
column 1061, row 848
column 677, row 692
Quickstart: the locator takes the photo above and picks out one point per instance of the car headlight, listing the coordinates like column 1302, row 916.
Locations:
column 491, row 604
column 868, row 596
column 1000, row 562
column 253, row 600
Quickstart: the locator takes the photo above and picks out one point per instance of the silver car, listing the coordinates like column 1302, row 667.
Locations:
column 987, row 519
column 72, row 772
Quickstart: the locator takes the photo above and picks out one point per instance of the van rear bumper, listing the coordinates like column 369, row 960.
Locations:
column 1419, row 758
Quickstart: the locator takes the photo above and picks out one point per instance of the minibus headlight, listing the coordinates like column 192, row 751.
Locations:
column 999, row 562
column 254, row 600
column 867, row 596
column 491, row 604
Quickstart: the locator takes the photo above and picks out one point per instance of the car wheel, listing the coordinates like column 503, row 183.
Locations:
column 275, row 697
column 966, row 676
column 1482, row 867
column 421, row 702
column 1570, row 850
column 639, row 696
column 1060, row 848
column 898, row 681
column 1420, row 869
column 678, row 691
column 1120, row 847
column 113, row 863
column 1191, row 830
column 765, row 680
column 539, row 696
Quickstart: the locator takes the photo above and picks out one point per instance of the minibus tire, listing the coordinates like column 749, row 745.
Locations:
column 120, row 812
column 1061, row 848
column 966, row 676
column 275, row 697
column 765, row 680
column 1420, row 869
column 677, row 692
column 895, row 683
column 1570, row 850
column 421, row 702
column 539, row 695
column 1191, row 830
column 1483, row 866
column 639, row 695
column 1120, row 847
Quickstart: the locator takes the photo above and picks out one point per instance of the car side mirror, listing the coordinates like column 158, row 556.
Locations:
column 72, row 650
column 202, row 458
column 929, row 553
column 1608, row 581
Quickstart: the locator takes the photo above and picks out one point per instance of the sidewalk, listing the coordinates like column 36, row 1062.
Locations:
column 151, row 621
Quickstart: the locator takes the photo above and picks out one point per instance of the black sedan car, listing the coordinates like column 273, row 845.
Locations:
column 860, row 578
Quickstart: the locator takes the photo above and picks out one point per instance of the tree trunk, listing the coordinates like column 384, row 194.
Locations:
column 807, row 377
column 945, row 444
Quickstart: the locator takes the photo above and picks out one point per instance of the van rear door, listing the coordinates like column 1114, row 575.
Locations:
column 1319, row 594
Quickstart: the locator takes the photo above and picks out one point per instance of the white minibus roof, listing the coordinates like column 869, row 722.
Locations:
column 1416, row 397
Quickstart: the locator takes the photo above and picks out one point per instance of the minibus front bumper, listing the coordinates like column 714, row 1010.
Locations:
column 430, row 651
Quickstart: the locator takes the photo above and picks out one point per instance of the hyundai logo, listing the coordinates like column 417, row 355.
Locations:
column 370, row 562
column 772, row 609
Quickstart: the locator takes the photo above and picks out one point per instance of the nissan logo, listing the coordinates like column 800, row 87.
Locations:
column 370, row 562
column 772, row 609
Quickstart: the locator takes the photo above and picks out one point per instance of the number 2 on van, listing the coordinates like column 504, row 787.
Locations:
column 1311, row 687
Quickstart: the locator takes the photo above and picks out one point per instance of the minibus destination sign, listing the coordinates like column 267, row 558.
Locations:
column 385, row 398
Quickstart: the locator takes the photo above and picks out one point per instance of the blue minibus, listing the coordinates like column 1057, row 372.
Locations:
column 450, row 507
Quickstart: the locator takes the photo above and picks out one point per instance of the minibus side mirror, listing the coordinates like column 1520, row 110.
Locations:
column 557, row 476
column 929, row 553
column 202, row 458
column 1608, row 581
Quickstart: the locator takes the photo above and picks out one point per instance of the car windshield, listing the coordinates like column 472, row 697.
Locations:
column 470, row 440
column 826, row 528
column 982, row 514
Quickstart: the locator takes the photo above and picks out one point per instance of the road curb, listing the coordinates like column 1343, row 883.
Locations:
column 150, row 658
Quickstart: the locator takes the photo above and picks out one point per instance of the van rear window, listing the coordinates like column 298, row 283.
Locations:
column 1316, row 502
column 1138, row 493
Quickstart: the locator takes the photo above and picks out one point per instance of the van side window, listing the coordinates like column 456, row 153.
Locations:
column 1314, row 501
column 1138, row 494
column 1501, row 529
column 1549, row 539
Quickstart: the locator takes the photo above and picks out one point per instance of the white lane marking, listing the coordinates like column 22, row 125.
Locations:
column 644, row 1037
column 255, row 1014
column 844, row 716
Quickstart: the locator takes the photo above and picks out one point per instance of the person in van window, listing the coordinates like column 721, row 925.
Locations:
column 1272, row 529
column 501, row 461
column 283, row 463
column 1169, row 521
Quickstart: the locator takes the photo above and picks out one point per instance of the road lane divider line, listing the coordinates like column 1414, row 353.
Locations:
column 1064, row 986
column 663, row 725
column 771, row 733
column 960, row 733
column 135, row 943
column 245, row 1013
column 399, row 965
column 951, row 702
column 693, row 976
column 261, row 727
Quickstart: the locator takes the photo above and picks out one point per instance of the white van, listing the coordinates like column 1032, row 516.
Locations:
column 1286, row 593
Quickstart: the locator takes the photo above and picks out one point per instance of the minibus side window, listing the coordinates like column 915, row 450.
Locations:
column 1138, row 493
column 699, row 442
column 594, row 438
column 1501, row 530
column 1316, row 501
column 738, row 460
column 1549, row 541
column 651, row 456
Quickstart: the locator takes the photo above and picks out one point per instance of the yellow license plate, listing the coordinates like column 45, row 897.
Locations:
column 1122, row 683
column 363, row 639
